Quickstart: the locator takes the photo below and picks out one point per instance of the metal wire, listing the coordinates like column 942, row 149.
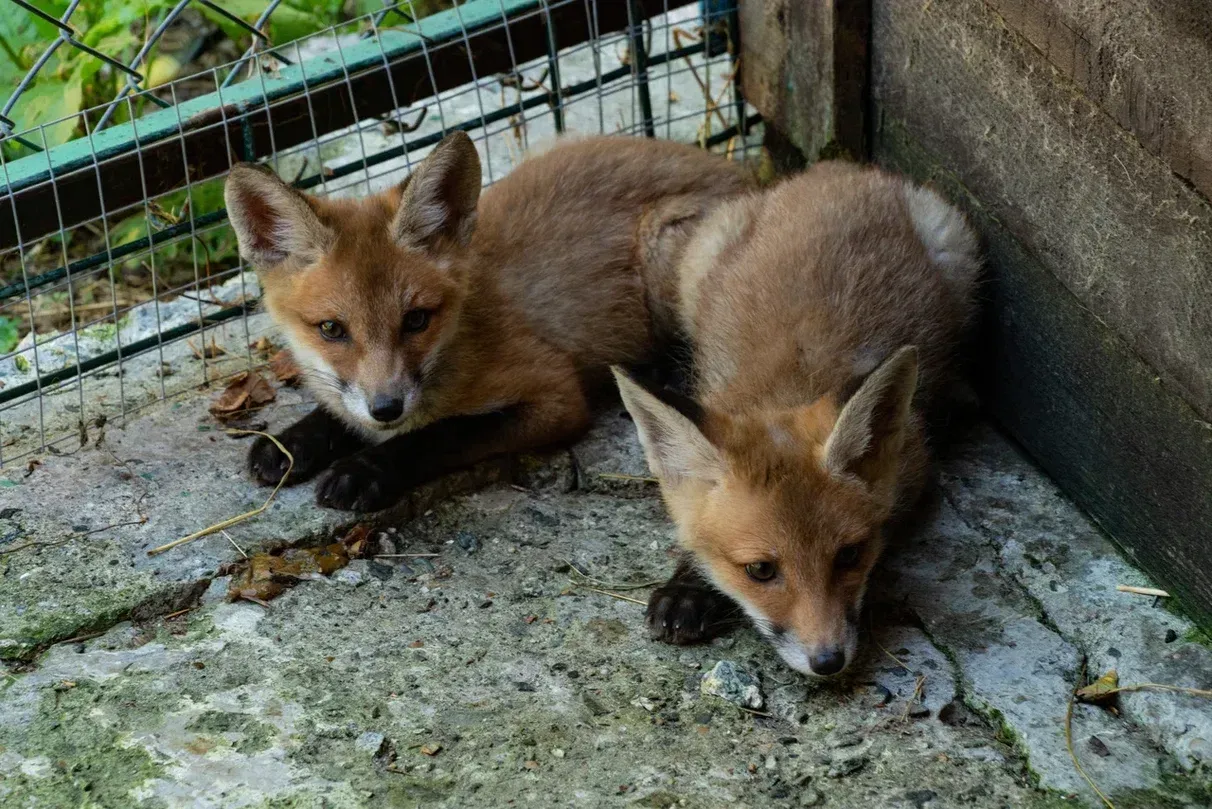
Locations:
column 347, row 109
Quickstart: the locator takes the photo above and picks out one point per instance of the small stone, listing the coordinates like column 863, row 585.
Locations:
column 772, row 763
column 1171, row 636
column 352, row 578
column 381, row 571
column 841, row 767
column 811, row 797
column 431, row 748
column 919, row 712
column 1098, row 747
column 371, row 743
column 467, row 541
column 385, row 545
column 920, row 797
column 558, row 753
column 882, row 696
column 727, row 681
column 838, row 740
column 531, row 765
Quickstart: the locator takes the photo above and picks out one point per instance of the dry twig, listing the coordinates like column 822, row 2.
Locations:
column 246, row 515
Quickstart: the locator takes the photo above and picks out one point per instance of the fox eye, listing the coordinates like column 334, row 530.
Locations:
column 416, row 320
column 332, row 330
column 761, row 571
column 848, row 557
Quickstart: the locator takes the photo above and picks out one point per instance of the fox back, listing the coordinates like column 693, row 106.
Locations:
column 824, row 314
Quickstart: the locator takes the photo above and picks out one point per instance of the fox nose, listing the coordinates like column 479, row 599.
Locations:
column 386, row 408
column 828, row 662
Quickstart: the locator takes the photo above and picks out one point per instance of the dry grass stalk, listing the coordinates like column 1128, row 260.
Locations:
column 246, row 515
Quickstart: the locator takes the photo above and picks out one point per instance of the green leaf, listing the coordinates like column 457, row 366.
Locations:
column 8, row 335
column 46, row 101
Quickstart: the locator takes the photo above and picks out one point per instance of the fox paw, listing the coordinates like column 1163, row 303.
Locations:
column 268, row 464
column 355, row 484
column 683, row 614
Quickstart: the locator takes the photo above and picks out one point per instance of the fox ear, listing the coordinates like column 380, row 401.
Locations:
column 438, row 201
column 866, row 441
column 675, row 447
column 272, row 220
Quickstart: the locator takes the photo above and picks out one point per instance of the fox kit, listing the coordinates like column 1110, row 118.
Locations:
column 438, row 327
column 823, row 314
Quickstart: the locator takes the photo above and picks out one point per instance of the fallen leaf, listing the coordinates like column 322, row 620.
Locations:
column 1101, row 690
column 531, row 765
column 431, row 749
column 265, row 576
column 247, row 391
column 416, row 644
column 263, row 344
column 285, row 369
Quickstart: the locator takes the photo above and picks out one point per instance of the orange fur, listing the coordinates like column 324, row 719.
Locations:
column 823, row 315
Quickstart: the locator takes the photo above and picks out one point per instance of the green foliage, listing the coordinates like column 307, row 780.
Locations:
column 8, row 334
column 214, row 247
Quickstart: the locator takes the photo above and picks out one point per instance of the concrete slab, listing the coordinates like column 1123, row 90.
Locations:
column 484, row 675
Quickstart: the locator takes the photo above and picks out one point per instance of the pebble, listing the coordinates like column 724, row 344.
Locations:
column 732, row 683
column 920, row 797
column 841, row 767
column 352, row 578
column 467, row 541
column 371, row 743
column 811, row 797
column 558, row 753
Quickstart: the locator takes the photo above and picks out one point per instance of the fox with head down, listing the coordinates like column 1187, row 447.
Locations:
column 824, row 314
column 438, row 326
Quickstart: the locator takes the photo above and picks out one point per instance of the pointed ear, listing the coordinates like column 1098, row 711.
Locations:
column 675, row 447
column 438, row 201
column 272, row 220
column 867, row 439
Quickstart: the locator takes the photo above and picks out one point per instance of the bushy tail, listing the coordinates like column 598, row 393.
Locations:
column 949, row 240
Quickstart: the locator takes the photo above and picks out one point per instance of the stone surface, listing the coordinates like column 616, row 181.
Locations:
column 519, row 682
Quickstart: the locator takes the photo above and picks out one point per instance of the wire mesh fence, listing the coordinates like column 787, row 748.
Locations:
column 120, row 284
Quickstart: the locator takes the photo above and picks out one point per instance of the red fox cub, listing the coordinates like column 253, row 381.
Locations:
column 823, row 314
column 438, row 328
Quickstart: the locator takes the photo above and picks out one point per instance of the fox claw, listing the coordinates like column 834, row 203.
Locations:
column 353, row 484
column 682, row 614
column 268, row 464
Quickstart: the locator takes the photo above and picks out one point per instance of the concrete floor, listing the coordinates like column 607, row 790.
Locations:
column 528, row 689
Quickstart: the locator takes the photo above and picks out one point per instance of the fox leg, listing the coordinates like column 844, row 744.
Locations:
column 688, row 609
column 314, row 441
column 379, row 475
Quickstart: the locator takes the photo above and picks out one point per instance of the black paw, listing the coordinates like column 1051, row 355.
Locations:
column 268, row 464
column 355, row 484
column 682, row 613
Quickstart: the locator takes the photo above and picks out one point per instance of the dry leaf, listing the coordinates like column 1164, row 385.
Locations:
column 265, row 576
column 247, row 391
column 284, row 368
column 1101, row 690
column 431, row 749
column 262, row 344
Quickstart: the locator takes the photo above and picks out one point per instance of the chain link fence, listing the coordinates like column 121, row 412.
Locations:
column 120, row 285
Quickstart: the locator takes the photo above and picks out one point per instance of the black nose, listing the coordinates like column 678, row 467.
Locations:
column 385, row 408
column 830, row 661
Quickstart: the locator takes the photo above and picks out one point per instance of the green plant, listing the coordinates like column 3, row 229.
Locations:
column 8, row 334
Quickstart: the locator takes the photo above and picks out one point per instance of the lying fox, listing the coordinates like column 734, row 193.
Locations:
column 823, row 314
column 438, row 328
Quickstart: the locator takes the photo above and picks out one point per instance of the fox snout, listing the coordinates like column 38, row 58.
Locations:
column 383, row 405
column 824, row 656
